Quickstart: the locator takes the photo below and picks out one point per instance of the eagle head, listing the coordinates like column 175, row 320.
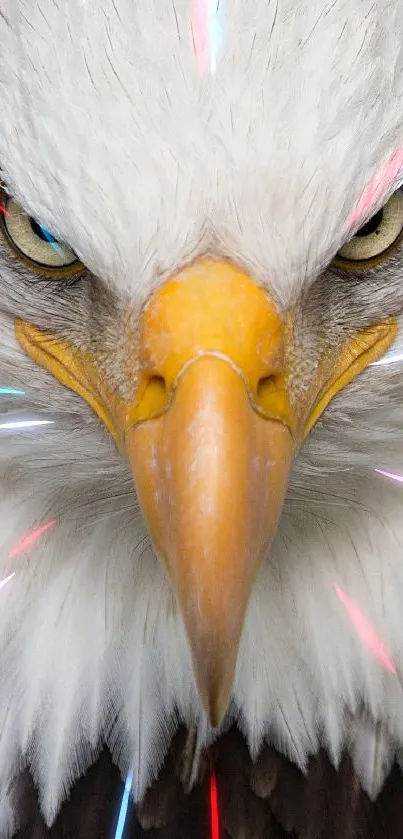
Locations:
column 200, row 276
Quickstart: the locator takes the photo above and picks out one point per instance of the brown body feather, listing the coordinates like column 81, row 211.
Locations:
column 268, row 799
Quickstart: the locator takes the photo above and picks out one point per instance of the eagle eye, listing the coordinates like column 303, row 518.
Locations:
column 32, row 243
column 377, row 239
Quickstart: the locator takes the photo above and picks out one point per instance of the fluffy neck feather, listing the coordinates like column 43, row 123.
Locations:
column 93, row 648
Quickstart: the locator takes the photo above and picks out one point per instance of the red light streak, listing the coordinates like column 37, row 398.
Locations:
column 3, row 210
column 365, row 631
column 215, row 829
column 27, row 541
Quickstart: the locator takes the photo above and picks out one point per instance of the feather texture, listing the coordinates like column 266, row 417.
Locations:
column 268, row 799
column 155, row 194
column 111, row 140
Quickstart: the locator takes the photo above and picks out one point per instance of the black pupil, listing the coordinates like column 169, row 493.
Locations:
column 371, row 225
column 37, row 230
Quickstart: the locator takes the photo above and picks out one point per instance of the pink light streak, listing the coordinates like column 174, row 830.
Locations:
column 391, row 475
column 27, row 541
column 365, row 631
column 199, row 23
column 206, row 28
column 384, row 179
column 215, row 827
column 3, row 210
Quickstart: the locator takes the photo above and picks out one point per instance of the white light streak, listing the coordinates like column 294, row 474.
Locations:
column 391, row 475
column 24, row 424
column 6, row 580
column 393, row 358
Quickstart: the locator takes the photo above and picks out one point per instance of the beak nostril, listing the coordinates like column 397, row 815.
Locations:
column 154, row 398
column 268, row 385
column 271, row 397
column 158, row 385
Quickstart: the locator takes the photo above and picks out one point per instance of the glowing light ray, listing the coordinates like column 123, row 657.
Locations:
column 6, row 580
column 27, row 541
column 200, row 34
column 215, row 21
column 51, row 241
column 124, row 806
column 392, row 475
column 215, row 826
column 388, row 175
column 207, row 33
column 388, row 359
column 365, row 631
column 11, row 391
column 3, row 210
column 25, row 423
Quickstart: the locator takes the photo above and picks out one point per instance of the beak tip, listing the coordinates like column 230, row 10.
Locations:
column 215, row 698
column 215, row 717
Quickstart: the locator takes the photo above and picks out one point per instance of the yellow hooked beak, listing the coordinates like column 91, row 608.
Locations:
column 210, row 435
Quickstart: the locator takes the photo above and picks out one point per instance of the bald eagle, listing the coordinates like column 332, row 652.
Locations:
column 201, row 265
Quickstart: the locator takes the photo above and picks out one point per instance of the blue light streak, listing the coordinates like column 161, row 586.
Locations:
column 123, row 807
column 51, row 241
column 11, row 391
column 216, row 32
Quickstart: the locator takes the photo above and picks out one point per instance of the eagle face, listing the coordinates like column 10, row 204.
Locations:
column 200, row 277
